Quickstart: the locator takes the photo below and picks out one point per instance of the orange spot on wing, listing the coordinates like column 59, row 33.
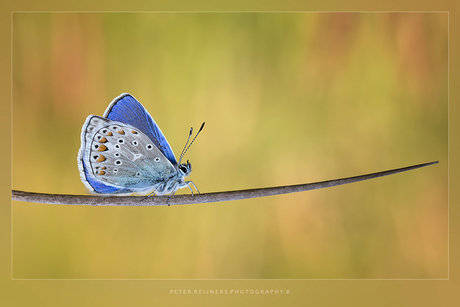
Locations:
column 121, row 131
column 110, row 133
column 134, row 132
column 101, row 173
column 101, row 158
column 102, row 148
column 103, row 167
column 103, row 140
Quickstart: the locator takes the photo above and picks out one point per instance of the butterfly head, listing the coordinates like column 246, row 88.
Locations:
column 185, row 169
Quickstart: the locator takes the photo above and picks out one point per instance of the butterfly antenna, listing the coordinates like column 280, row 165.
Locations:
column 185, row 149
column 185, row 146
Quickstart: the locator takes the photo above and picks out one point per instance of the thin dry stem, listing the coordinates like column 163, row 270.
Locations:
column 97, row 200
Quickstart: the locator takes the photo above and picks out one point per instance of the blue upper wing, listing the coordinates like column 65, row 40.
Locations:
column 126, row 109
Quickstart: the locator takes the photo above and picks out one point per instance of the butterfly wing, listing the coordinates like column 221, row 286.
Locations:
column 126, row 109
column 84, row 165
column 119, row 158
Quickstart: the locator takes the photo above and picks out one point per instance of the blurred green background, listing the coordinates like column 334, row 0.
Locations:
column 287, row 98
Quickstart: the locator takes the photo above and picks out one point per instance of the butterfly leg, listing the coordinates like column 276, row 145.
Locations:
column 174, row 189
column 191, row 183
column 145, row 198
column 152, row 193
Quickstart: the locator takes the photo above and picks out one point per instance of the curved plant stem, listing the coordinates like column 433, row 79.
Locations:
column 97, row 200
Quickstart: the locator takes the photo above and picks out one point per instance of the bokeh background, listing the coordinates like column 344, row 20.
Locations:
column 287, row 98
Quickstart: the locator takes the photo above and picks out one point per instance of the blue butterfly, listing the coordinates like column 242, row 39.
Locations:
column 125, row 152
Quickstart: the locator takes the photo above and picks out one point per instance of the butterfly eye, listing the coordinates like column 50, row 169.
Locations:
column 135, row 143
column 149, row 146
column 156, row 159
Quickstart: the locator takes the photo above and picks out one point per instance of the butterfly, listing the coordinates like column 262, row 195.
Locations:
column 124, row 152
